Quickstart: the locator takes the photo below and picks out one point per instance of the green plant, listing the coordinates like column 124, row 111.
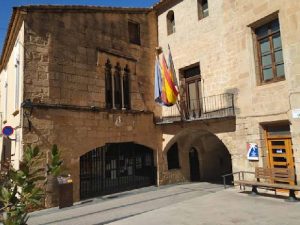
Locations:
column 22, row 189
column 54, row 167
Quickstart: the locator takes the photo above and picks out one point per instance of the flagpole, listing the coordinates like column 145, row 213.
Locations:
column 176, row 83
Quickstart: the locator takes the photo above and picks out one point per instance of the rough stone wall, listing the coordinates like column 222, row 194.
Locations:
column 62, row 56
column 77, row 133
column 64, row 66
column 223, row 45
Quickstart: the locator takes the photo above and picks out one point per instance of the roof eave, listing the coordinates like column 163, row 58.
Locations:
column 13, row 28
column 84, row 8
column 160, row 4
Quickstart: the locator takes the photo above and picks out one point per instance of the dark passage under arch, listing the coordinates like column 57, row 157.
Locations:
column 194, row 165
column 114, row 168
column 173, row 157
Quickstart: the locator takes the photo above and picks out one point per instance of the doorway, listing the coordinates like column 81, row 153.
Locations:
column 193, row 91
column 116, row 167
column 6, row 150
column 194, row 165
column 280, row 147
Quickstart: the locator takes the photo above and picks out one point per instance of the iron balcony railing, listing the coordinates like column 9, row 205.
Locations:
column 216, row 106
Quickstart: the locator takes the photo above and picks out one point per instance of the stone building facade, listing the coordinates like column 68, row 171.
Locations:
column 249, row 49
column 78, row 67
column 86, row 83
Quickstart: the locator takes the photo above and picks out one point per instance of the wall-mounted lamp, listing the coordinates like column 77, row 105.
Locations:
column 27, row 106
column 27, row 111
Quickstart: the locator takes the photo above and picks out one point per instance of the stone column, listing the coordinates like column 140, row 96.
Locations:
column 113, row 86
column 122, row 88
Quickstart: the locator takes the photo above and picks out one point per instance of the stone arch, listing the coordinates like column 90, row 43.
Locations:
column 116, row 167
column 214, row 156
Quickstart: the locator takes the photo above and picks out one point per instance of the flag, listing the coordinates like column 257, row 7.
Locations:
column 169, row 86
column 172, row 68
column 165, row 85
column 157, row 84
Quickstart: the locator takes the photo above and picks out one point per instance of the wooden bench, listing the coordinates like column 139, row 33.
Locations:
column 273, row 178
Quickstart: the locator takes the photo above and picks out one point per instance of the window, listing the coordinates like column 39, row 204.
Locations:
column 108, row 85
column 5, row 94
column 202, row 9
column 134, row 33
column 171, row 22
column 117, row 86
column 275, row 130
column 192, row 81
column 173, row 158
column 17, row 74
column 269, row 49
column 126, row 97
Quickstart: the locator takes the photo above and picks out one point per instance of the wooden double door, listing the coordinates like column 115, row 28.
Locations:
column 281, row 153
column 279, row 143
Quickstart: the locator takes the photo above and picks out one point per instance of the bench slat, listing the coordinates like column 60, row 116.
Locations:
column 273, row 185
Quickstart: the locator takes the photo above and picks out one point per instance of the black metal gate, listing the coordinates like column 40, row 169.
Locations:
column 114, row 168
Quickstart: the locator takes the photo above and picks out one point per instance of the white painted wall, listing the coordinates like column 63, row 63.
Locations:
column 11, row 78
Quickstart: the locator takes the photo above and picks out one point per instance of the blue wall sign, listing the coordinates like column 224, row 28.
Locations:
column 7, row 130
column 252, row 151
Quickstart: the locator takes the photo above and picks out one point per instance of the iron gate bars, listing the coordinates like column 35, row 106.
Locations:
column 116, row 167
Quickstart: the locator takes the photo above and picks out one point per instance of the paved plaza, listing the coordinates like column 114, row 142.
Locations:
column 184, row 204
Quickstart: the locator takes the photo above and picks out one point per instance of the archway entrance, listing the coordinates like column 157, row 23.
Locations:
column 114, row 168
column 194, row 165
column 202, row 157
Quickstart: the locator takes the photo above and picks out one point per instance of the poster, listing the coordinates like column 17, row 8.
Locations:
column 252, row 154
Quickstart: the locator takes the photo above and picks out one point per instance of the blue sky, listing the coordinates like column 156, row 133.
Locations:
column 6, row 8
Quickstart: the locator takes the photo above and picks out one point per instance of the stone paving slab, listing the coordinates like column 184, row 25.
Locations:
column 116, row 207
column 228, row 207
column 185, row 204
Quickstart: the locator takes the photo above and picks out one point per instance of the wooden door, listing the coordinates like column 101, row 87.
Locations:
column 280, row 153
column 194, row 165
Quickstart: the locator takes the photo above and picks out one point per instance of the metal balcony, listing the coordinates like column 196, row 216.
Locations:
column 211, row 107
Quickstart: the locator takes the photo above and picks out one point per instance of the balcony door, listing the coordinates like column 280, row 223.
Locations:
column 192, row 80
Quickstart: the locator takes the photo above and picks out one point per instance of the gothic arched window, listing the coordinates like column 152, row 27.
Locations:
column 126, row 96
column 117, row 87
column 108, row 85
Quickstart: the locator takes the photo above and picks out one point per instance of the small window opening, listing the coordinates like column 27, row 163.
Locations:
column 134, row 33
column 173, row 157
column 171, row 22
column 202, row 9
